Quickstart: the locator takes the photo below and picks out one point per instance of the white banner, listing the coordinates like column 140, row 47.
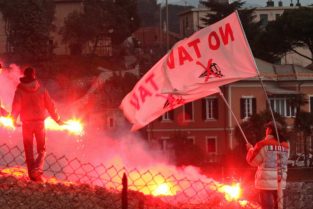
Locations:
column 194, row 68
column 216, row 55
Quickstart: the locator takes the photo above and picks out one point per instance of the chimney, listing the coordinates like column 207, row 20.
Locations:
column 298, row 3
column 270, row 3
column 291, row 4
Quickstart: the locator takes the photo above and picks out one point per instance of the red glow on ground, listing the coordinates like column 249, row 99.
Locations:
column 232, row 192
column 17, row 172
column 21, row 173
column 163, row 189
column 160, row 187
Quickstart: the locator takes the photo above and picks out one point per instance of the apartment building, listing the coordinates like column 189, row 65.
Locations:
column 191, row 21
column 62, row 9
column 209, row 122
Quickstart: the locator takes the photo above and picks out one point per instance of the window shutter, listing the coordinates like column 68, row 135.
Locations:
column 188, row 108
column 242, row 108
column 204, row 110
column 267, row 107
column 253, row 106
column 171, row 114
column 215, row 109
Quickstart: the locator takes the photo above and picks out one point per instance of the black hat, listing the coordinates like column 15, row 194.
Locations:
column 29, row 75
column 271, row 125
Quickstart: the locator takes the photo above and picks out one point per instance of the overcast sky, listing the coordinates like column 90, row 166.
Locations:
column 253, row 2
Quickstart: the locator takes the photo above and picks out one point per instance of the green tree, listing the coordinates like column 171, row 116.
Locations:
column 254, row 128
column 148, row 11
column 76, row 35
column 99, row 19
column 294, row 28
column 218, row 11
column 254, row 131
column 28, row 27
column 126, row 19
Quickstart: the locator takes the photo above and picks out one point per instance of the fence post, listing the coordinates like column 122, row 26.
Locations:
column 124, row 192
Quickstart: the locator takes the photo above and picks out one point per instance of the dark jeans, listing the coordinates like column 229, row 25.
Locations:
column 31, row 129
column 268, row 199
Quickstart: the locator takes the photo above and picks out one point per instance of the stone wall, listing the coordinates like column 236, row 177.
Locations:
column 299, row 195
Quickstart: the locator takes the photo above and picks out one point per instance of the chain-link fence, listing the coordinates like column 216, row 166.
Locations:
column 75, row 184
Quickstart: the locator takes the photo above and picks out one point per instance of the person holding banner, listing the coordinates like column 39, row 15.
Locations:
column 31, row 101
column 270, row 156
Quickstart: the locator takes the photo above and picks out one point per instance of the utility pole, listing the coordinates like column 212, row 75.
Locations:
column 167, row 34
column 161, row 28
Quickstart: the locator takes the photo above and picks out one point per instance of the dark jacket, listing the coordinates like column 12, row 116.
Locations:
column 31, row 102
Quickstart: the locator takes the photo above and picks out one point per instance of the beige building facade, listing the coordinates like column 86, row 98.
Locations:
column 210, row 124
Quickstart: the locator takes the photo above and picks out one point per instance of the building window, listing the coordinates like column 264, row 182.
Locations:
column 209, row 108
column 247, row 107
column 211, row 144
column 168, row 116
column 264, row 19
column 284, row 106
column 191, row 140
column 188, row 111
column 311, row 104
column 164, row 143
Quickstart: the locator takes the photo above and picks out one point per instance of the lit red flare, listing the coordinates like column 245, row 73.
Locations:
column 73, row 126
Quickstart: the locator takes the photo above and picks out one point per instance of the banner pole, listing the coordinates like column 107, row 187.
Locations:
column 279, row 167
column 233, row 114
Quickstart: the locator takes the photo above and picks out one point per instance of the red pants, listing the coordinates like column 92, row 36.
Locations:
column 31, row 129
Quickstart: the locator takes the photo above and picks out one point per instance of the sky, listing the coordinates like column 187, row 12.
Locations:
column 253, row 2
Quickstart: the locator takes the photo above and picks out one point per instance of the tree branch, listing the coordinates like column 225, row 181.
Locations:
column 302, row 55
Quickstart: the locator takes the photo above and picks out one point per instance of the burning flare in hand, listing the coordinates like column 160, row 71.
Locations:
column 7, row 122
column 73, row 126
